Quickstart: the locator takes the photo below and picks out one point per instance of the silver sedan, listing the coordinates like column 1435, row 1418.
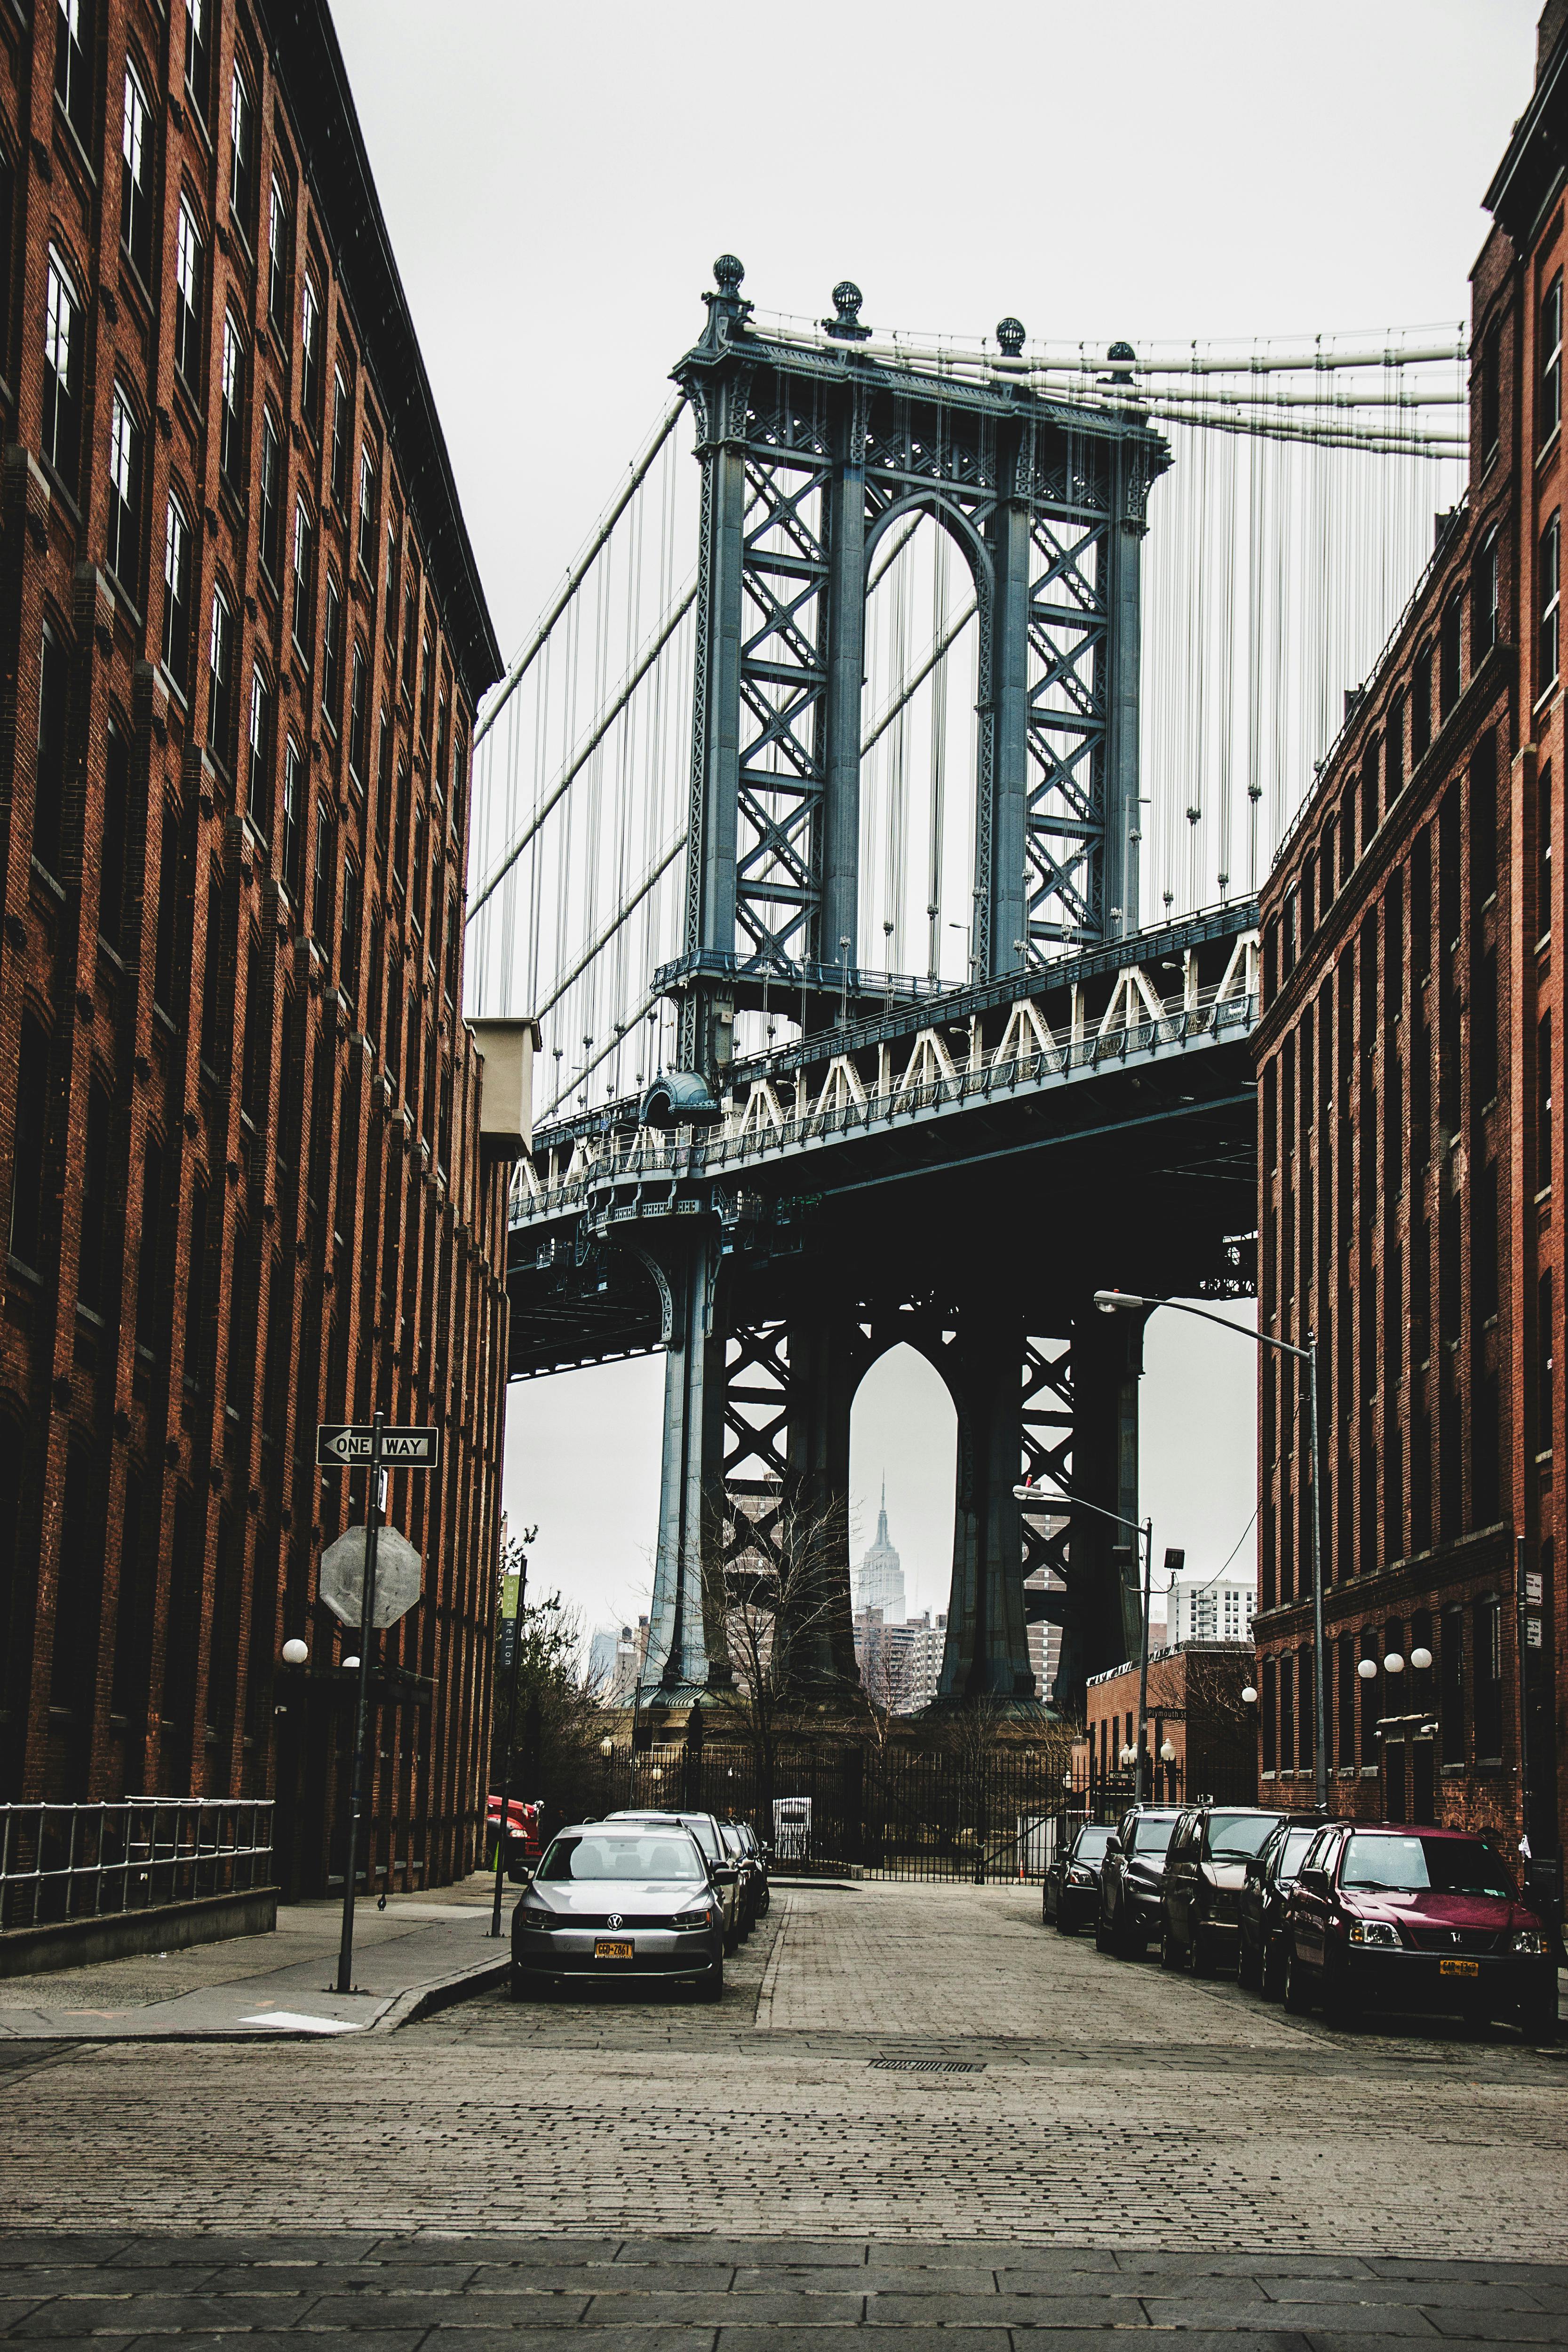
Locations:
column 615, row 1901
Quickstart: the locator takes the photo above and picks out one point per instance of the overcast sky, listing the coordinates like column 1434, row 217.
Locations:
column 557, row 181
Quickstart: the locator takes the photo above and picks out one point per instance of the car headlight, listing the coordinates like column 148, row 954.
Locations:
column 1077, row 1878
column 1528, row 1939
column 539, row 1923
column 694, row 1919
column 1375, row 1931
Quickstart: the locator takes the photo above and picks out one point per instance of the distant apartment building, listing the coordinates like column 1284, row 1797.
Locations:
column 1209, row 1608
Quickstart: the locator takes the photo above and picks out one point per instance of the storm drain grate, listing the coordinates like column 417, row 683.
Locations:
column 929, row 2065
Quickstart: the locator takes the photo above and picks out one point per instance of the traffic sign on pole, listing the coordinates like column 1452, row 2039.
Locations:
column 342, row 1446
column 399, row 1576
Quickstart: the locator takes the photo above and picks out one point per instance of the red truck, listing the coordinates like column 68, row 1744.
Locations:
column 523, row 1847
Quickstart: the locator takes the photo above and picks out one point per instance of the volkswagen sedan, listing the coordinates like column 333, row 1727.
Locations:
column 618, row 1902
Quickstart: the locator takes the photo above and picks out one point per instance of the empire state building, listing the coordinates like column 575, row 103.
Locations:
column 881, row 1580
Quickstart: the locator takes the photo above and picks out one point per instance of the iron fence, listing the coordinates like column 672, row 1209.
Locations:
column 893, row 1809
column 60, row 1861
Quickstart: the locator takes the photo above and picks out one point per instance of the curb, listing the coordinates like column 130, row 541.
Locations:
column 442, row 1992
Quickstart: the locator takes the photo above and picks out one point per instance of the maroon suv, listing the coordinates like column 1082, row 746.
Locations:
column 1415, row 1918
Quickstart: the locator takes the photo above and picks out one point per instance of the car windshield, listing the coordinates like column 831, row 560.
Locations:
column 1236, row 1837
column 1091, row 1846
column 1295, row 1848
column 1446, row 1865
column 602, row 1853
column 1150, row 1834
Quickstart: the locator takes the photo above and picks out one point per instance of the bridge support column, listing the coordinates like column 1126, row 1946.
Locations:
column 691, row 1480
column 821, row 1391
column 1101, row 1613
column 987, row 1654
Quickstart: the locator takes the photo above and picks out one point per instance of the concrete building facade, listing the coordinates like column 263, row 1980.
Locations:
column 241, row 1139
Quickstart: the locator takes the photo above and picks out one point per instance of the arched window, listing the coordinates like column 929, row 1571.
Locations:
column 359, row 712
column 62, row 370
column 367, row 513
column 73, row 64
column 95, row 1273
column 304, row 555
column 333, row 654
column 1486, row 615
column 270, row 535
column 198, row 54
column 1551, row 349
column 293, row 818
column 189, row 260
column 259, row 780
column 1548, row 576
column 221, row 680
column 278, row 256
column 1450, row 636
column 136, row 174
column 28, row 1220
column 242, row 152
column 123, row 547
column 231, row 437
column 48, row 799
column 177, row 592
column 311, row 354
column 343, row 434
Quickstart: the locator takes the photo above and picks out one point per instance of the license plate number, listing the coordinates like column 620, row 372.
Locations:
column 611, row 1947
column 1458, row 1967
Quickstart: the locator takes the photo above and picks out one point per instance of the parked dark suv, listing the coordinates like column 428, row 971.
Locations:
column 1070, row 1896
column 1129, row 1877
column 1271, row 1875
column 1413, row 1918
column 1200, row 1898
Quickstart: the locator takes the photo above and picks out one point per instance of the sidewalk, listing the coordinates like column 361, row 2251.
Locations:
column 418, row 1952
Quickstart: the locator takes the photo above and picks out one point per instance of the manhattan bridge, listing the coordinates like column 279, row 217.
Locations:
column 873, row 823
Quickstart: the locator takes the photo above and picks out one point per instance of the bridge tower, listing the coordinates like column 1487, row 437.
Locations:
column 811, row 453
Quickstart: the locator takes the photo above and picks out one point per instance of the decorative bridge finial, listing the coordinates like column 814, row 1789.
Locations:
column 847, row 300
column 1121, row 357
column 728, row 273
column 1010, row 335
column 727, row 312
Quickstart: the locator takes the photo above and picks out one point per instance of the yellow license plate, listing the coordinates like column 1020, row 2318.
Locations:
column 1458, row 1967
column 609, row 1947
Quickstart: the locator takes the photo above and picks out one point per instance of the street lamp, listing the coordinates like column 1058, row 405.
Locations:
column 1070, row 1503
column 295, row 1652
column 1109, row 1303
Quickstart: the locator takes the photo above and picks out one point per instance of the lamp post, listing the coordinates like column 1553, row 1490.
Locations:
column 1109, row 1302
column 1072, row 1503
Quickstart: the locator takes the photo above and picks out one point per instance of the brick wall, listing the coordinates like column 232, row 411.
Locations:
column 238, row 1106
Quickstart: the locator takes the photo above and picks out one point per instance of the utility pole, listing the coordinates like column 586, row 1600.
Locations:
column 511, row 1621
column 361, row 1703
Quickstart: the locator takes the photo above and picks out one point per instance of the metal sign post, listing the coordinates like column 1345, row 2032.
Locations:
column 511, row 1656
column 361, row 1701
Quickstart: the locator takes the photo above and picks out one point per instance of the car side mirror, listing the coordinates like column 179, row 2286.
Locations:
column 1316, row 1882
column 723, row 1873
column 1112, row 1845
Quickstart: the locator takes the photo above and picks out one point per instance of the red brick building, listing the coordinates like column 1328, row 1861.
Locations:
column 241, row 641
column 1196, row 1709
column 1410, row 1052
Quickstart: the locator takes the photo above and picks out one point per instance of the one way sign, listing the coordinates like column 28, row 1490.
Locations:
column 340, row 1446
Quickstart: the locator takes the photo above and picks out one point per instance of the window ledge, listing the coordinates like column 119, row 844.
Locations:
column 1544, row 1194
column 22, row 1271
column 41, row 874
column 1549, row 448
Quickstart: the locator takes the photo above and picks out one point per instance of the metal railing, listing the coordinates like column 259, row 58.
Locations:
column 738, row 1143
column 61, row 1862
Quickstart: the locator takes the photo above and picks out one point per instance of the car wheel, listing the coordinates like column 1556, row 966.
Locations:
column 1064, row 1924
column 1298, row 2000
column 1248, row 1972
column 1538, row 2017
column 711, row 1986
column 1198, row 1963
column 1271, row 1971
column 1341, row 2009
column 1170, row 1957
column 1102, row 1941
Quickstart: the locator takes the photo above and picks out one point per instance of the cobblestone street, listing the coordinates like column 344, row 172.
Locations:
column 989, row 2125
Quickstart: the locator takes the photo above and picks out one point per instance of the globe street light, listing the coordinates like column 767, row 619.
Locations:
column 295, row 1652
column 1111, row 1302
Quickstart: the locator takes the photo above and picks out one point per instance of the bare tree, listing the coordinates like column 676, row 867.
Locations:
column 772, row 1595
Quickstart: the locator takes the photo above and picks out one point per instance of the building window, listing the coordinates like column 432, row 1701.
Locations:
column 271, row 516
column 311, row 354
column 342, row 425
column 1551, row 358
column 332, row 654
column 303, row 542
column 416, row 899
column 124, row 534
column 1345, row 1696
column 168, row 911
column 73, row 65
column 116, row 823
column 258, row 782
column 359, row 713
column 393, row 574
column 231, row 442
column 400, row 832
column 188, row 300
column 1543, row 1102
column 293, row 818
column 220, row 684
column 1546, row 1367
column 62, row 370
column 1543, row 853
column 242, row 154
column 1449, row 635
column 443, row 741
column 198, row 54
column 410, row 602
column 49, row 790
column 1548, row 576
column 1421, row 706
column 1491, row 393
column 93, row 1288
column 1485, row 615
column 212, row 974
column 1287, row 1714
column 1451, row 1663
column 351, row 910
column 176, row 593
column 367, row 513
column 321, row 890
column 27, row 1162
column 136, row 176
column 426, row 688
column 278, row 256
column 459, row 783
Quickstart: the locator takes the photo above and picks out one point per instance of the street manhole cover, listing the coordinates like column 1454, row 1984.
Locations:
column 929, row 2065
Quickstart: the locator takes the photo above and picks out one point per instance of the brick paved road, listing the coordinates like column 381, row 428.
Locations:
column 714, row 2171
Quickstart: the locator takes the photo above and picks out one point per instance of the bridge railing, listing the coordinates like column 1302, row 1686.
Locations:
column 744, row 1139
